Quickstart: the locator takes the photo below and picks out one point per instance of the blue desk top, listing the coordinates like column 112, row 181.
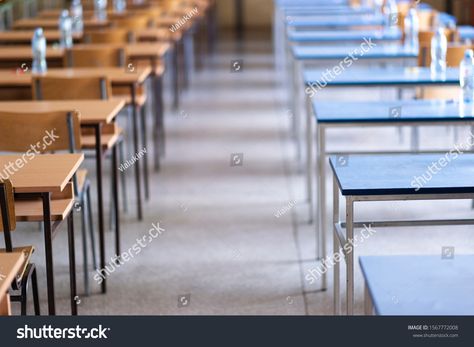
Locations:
column 404, row 174
column 342, row 52
column 319, row 3
column 466, row 32
column 392, row 76
column 392, row 111
column 344, row 35
column 318, row 10
column 335, row 21
column 420, row 285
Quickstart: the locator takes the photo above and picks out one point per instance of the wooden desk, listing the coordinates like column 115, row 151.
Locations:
column 92, row 114
column 41, row 177
column 16, row 37
column 52, row 24
column 10, row 265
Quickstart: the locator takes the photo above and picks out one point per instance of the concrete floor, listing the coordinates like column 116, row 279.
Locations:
column 235, row 240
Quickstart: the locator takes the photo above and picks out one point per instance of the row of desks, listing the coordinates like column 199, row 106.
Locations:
column 364, row 175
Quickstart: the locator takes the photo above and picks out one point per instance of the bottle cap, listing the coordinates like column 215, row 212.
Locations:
column 469, row 54
column 38, row 32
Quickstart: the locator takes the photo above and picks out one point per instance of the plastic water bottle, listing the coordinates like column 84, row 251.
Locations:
column 466, row 76
column 439, row 47
column 65, row 28
column 76, row 14
column 120, row 6
column 412, row 27
column 390, row 10
column 100, row 9
column 38, row 45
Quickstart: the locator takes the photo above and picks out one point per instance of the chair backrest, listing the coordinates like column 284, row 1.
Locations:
column 132, row 22
column 108, row 36
column 94, row 56
column 425, row 37
column 7, row 212
column 75, row 88
column 33, row 133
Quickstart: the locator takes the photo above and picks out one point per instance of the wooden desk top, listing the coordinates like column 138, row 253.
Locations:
column 43, row 173
column 47, row 23
column 90, row 111
column 89, row 13
column 25, row 36
column 149, row 50
column 117, row 75
column 10, row 264
column 156, row 34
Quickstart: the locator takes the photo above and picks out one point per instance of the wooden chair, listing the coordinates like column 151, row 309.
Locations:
column 85, row 88
column 109, row 36
column 425, row 37
column 94, row 55
column 17, row 132
column 28, row 269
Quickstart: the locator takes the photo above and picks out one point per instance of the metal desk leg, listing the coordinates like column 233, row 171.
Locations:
column 72, row 262
column 309, row 159
column 321, row 138
column 100, row 200
column 135, row 147
column 48, row 247
column 175, row 75
column 116, row 198
column 349, row 255
column 336, row 248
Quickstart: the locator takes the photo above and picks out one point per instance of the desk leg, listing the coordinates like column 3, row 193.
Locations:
column 336, row 248
column 350, row 255
column 175, row 75
column 158, row 129
column 72, row 263
column 321, row 226
column 100, row 201
column 135, row 147
column 309, row 159
column 48, row 247
column 116, row 198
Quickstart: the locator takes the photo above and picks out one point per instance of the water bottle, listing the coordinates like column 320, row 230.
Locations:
column 76, row 14
column 439, row 47
column 120, row 6
column 65, row 28
column 38, row 45
column 100, row 9
column 466, row 76
column 390, row 10
column 412, row 27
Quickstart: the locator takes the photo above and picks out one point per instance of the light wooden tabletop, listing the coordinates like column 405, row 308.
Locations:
column 43, row 173
column 148, row 50
column 10, row 265
column 25, row 36
column 90, row 111
column 47, row 23
column 117, row 75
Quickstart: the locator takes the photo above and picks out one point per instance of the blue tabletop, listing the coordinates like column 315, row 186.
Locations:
column 420, row 285
column 393, row 111
column 318, row 10
column 355, row 52
column 319, row 3
column 406, row 174
column 392, row 76
column 466, row 32
column 344, row 35
column 335, row 21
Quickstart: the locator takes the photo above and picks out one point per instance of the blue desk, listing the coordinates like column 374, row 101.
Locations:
column 364, row 178
column 342, row 21
column 343, row 36
column 355, row 53
column 396, row 76
column 419, row 285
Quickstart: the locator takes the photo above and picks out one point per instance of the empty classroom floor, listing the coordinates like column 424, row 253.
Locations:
column 235, row 240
